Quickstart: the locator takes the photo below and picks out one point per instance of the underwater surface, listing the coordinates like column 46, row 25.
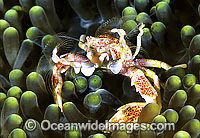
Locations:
column 79, row 84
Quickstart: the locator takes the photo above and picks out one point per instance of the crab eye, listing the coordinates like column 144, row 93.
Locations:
column 107, row 42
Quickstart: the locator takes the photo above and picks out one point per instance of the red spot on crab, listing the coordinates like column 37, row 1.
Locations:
column 59, row 64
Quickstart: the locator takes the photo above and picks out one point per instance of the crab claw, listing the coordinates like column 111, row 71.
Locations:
column 77, row 67
column 55, row 58
column 87, row 69
column 82, row 44
column 115, row 67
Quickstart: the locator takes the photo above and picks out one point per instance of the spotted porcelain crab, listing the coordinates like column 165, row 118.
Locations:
column 107, row 52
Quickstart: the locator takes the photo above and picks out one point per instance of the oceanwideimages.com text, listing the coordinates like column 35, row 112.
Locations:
column 97, row 126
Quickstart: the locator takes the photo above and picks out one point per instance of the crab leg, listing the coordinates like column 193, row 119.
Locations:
column 156, row 63
column 63, row 63
column 142, row 84
column 58, row 82
column 140, row 63
column 128, row 112
column 152, row 63
column 151, row 74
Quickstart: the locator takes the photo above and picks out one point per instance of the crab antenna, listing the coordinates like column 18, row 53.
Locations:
column 134, row 29
column 70, row 38
column 139, row 40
